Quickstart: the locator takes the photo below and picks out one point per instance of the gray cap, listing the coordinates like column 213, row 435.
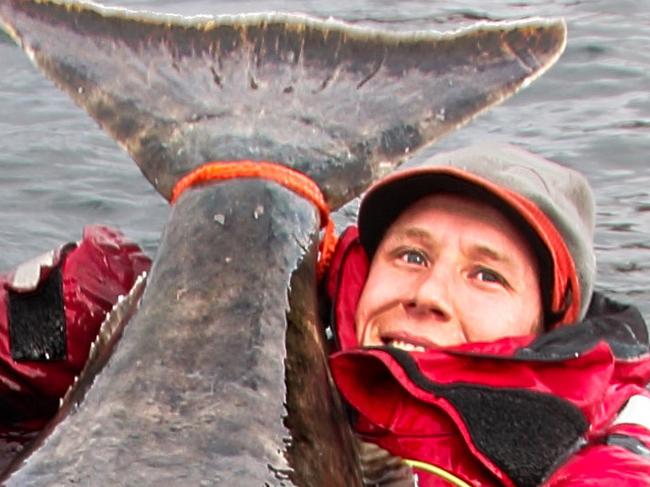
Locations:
column 520, row 184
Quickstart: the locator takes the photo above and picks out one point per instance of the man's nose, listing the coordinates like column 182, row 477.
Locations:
column 431, row 294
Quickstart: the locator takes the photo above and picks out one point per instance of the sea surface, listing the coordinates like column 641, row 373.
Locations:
column 59, row 171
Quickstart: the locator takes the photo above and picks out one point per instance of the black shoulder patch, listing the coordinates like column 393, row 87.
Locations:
column 37, row 321
column 525, row 433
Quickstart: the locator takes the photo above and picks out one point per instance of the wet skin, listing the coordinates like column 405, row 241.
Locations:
column 450, row 270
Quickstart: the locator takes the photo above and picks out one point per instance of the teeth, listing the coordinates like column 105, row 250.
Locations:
column 409, row 347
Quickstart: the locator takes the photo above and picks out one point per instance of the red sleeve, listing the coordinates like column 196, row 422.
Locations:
column 104, row 266
column 622, row 458
column 93, row 274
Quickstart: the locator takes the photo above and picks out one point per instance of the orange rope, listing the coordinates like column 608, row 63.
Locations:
column 287, row 177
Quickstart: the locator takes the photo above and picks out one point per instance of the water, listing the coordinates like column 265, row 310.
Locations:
column 59, row 171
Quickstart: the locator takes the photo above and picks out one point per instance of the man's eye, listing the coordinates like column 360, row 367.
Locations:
column 487, row 275
column 414, row 257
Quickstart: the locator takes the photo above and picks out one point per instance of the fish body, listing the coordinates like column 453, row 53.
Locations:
column 217, row 375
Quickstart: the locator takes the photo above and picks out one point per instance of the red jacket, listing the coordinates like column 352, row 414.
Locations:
column 566, row 408
column 50, row 311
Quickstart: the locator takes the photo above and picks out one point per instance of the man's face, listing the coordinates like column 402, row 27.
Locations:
column 450, row 270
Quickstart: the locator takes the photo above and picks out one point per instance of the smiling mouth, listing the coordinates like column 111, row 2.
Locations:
column 402, row 345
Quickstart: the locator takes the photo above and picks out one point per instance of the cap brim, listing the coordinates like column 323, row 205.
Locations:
column 387, row 199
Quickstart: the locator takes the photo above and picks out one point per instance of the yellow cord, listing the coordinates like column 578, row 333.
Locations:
column 440, row 472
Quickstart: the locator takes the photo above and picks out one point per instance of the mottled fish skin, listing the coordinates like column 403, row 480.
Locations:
column 340, row 103
column 220, row 377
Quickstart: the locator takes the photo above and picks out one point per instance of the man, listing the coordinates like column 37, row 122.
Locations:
column 469, row 341
column 51, row 309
